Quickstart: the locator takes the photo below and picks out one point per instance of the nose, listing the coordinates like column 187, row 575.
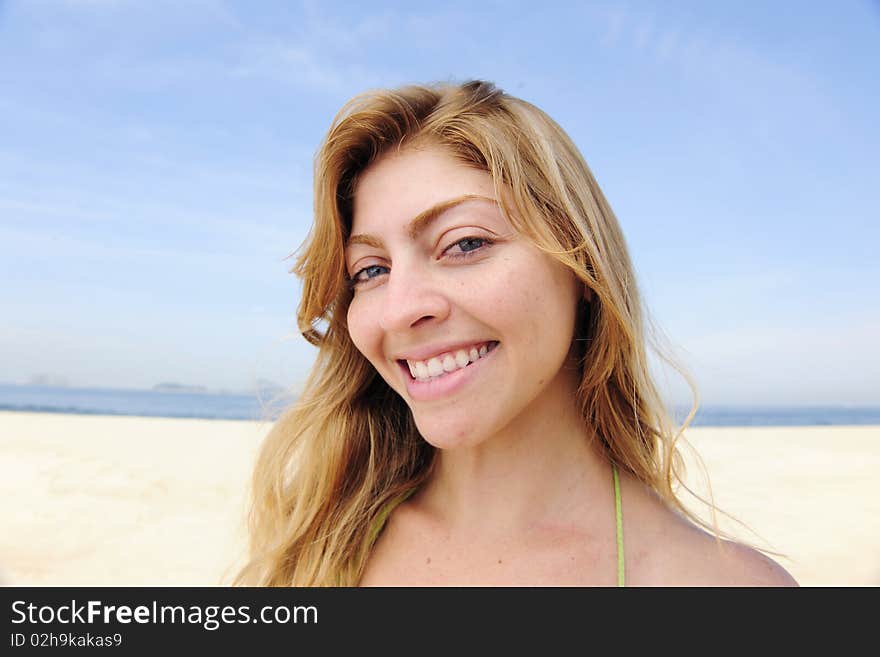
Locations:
column 412, row 297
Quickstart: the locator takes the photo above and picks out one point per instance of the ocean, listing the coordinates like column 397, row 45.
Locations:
column 268, row 405
column 148, row 403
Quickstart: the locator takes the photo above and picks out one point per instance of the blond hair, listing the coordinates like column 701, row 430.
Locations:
column 349, row 445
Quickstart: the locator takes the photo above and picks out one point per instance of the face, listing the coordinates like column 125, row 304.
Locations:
column 443, row 271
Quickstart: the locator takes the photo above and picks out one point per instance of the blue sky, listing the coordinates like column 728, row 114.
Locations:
column 155, row 171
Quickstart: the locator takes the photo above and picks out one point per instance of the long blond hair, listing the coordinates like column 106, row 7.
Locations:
column 349, row 445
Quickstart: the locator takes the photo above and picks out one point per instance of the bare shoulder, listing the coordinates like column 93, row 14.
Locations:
column 741, row 565
column 704, row 560
column 666, row 549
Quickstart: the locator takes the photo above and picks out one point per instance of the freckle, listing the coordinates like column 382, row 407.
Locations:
column 428, row 560
column 499, row 561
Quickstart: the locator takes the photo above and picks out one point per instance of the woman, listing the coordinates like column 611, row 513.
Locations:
column 480, row 411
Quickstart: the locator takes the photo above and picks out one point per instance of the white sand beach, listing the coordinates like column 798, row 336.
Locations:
column 96, row 500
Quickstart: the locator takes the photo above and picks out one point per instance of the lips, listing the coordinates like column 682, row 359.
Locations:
column 461, row 358
column 449, row 383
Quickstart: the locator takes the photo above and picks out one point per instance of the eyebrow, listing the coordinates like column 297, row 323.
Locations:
column 421, row 221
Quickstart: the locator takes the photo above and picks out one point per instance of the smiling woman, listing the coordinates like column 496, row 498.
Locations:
column 481, row 410
column 433, row 306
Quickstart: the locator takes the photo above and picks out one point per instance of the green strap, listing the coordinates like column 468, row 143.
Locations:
column 379, row 521
column 618, row 512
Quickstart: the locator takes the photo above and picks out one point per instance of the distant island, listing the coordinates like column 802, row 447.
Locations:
column 261, row 387
column 48, row 380
column 178, row 387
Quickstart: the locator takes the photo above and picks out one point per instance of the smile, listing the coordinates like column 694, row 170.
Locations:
column 447, row 382
column 442, row 364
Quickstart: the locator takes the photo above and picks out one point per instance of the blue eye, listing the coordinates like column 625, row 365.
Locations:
column 467, row 239
column 354, row 280
column 482, row 242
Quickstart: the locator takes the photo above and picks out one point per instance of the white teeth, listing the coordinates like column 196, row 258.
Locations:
column 435, row 367
column 450, row 362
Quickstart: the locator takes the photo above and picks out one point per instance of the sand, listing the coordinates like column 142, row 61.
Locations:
column 96, row 500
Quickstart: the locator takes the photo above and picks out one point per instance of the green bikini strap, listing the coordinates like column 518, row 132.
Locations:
column 618, row 512
column 379, row 521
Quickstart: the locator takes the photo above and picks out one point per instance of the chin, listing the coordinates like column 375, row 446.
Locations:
column 449, row 437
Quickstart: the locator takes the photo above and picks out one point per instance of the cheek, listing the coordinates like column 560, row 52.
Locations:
column 514, row 305
column 359, row 330
column 547, row 306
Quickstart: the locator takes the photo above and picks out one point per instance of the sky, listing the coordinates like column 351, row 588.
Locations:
column 156, row 171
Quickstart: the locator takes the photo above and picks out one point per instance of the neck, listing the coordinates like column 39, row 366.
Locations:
column 545, row 467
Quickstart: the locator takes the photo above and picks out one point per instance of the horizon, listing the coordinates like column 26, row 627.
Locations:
column 155, row 176
column 255, row 390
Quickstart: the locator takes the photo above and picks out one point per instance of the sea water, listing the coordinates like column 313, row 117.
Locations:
column 268, row 405
column 150, row 403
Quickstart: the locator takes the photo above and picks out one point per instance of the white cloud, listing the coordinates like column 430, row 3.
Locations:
column 288, row 63
column 323, row 53
column 616, row 20
column 667, row 44
column 644, row 33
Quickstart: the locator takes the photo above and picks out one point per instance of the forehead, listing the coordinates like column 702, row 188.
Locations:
column 400, row 186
